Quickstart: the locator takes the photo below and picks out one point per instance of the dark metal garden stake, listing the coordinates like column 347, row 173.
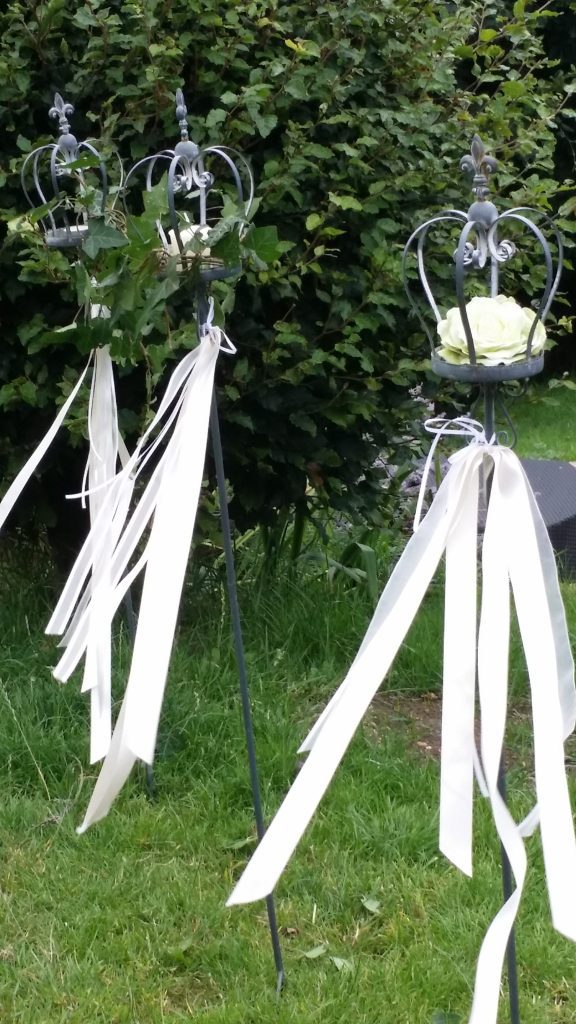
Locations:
column 507, row 888
column 189, row 183
column 242, row 673
column 507, row 884
column 66, row 224
column 480, row 248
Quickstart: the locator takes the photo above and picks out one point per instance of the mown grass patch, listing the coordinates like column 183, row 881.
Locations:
column 128, row 923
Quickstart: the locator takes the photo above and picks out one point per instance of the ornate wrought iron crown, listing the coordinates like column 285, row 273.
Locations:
column 189, row 184
column 66, row 181
column 479, row 248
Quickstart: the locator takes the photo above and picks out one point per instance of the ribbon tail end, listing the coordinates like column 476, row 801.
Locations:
column 461, row 859
column 246, row 894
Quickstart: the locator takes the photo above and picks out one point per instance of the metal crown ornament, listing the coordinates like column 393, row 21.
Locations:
column 195, row 198
column 481, row 248
column 65, row 182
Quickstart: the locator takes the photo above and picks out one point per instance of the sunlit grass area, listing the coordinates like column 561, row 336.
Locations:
column 545, row 420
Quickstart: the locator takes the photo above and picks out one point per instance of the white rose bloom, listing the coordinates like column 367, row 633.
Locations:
column 186, row 235
column 500, row 329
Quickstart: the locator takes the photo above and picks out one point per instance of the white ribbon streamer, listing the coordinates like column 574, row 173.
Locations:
column 30, row 467
column 94, row 589
column 70, row 615
column 104, row 447
column 172, row 495
column 516, row 552
column 459, row 682
column 100, row 468
column 118, row 495
column 102, row 460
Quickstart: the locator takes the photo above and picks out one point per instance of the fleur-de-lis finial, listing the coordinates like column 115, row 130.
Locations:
column 186, row 149
column 61, row 111
column 181, row 114
column 478, row 163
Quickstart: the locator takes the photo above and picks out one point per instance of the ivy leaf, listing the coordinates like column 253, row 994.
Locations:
column 155, row 199
column 228, row 249
column 84, row 162
column 264, row 242
column 102, row 236
column 127, row 296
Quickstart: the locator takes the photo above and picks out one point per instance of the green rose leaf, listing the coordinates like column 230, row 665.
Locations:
column 345, row 202
column 265, row 123
column 216, row 117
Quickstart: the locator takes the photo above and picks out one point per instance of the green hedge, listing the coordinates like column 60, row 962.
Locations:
column 354, row 114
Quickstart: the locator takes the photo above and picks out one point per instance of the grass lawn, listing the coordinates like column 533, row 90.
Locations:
column 545, row 420
column 128, row 923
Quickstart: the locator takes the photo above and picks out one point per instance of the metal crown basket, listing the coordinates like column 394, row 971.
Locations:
column 65, row 182
column 195, row 199
column 480, row 249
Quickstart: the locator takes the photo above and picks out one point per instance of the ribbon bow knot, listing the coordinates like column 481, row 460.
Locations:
column 440, row 426
column 216, row 334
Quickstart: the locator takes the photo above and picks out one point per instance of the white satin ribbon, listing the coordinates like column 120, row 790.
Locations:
column 172, row 495
column 93, row 590
column 105, row 448
column 101, row 467
column 516, row 551
column 30, row 467
column 104, row 444
column 82, row 610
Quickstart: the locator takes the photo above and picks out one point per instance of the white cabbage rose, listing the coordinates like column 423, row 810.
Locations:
column 186, row 235
column 500, row 329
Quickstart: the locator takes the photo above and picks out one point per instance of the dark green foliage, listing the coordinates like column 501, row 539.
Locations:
column 354, row 121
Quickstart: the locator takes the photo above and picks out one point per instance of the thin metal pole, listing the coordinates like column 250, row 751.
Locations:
column 511, row 961
column 242, row 673
column 507, row 887
column 489, row 402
